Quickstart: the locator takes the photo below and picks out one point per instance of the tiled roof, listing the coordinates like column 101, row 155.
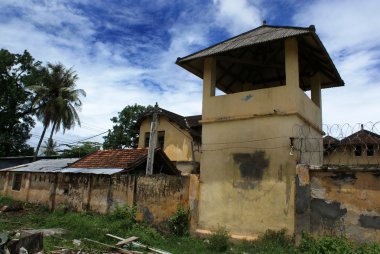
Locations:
column 122, row 158
column 261, row 50
column 186, row 123
column 361, row 137
column 193, row 121
column 256, row 36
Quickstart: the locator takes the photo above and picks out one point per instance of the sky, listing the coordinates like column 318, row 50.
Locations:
column 124, row 51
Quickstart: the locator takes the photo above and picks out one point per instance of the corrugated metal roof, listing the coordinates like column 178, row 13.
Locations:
column 96, row 171
column 42, row 166
column 256, row 36
column 59, row 166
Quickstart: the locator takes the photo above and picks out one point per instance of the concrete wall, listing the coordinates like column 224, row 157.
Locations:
column 247, row 171
column 178, row 144
column 156, row 197
column 345, row 155
column 340, row 202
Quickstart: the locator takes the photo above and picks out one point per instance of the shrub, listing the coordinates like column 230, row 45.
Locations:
column 219, row 241
column 126, row 212
column 179, row 223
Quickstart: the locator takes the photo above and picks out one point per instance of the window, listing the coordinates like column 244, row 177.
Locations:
column 161, row 139
column 358, row 150
column 146, row 139
column 370, row 150
column 17, row 179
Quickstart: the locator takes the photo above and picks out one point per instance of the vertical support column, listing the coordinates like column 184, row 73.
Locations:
column 291, row 64
column 152, row 142
column 109, row 196
column 87, row 194
column 6, row 184
column 27, row 186
column 209, row 80
column 316, row 90
column 53, row 188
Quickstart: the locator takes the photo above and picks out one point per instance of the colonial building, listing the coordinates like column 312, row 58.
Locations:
column 178, row 136
column 359, row 148
column 248, row 159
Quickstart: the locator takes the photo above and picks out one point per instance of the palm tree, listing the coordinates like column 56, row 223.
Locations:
column 57, row 100
column 50, row 147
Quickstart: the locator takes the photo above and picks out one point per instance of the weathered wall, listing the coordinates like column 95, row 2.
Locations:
column 343, row 202
column 178, row 142
column 156, row 197
column 247, row 170
column 345, row 155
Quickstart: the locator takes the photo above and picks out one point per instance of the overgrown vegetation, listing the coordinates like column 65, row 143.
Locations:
column 122, row 223
column 219, row 241
column 179, row 223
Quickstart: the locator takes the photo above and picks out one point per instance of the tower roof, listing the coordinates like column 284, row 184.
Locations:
column 258, row 57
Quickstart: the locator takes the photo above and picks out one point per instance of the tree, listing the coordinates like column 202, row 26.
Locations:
column 57, row 100
column 78, row 151
column 50, row 147
column 17, row 72
column 124, row 133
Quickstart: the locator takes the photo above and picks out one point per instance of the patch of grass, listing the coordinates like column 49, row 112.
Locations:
column 95, row 226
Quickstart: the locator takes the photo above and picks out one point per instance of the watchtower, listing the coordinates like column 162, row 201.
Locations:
column 254, row 109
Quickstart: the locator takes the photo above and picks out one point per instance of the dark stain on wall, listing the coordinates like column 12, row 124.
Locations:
column 325, row 214
column 147, row 215
column 302, row 207
column 251, row 165
column 302, row 197
column 344, row 177
column 367, row 221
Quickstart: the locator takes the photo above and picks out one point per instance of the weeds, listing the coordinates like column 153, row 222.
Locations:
column 219, row 241
column 179, row 223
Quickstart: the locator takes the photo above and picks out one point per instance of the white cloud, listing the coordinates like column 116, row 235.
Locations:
column 349, row 30
column 237, row 16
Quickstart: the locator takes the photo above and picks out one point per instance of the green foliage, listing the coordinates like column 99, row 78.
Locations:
column 126, row 212
column 50, row 147
column 179, row 223
column 57, row 99
column 95, row 226
column 17, row 73
column 124, row 132
column 219, row 241
column 78, row 151
column 334, row 244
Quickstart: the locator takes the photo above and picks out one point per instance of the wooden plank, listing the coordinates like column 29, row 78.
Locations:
column 122, row 251
column 126, row 241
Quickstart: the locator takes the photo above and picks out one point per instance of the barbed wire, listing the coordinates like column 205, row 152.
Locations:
column 340, row 144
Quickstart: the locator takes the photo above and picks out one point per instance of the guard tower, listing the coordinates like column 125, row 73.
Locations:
column 249, row 128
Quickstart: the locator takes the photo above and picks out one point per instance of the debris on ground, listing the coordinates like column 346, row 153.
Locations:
column 46, row 231
column 131, row 242
column 21, row 243
column 17, row 206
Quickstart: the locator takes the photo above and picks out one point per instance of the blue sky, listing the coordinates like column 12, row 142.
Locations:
column 124, row 51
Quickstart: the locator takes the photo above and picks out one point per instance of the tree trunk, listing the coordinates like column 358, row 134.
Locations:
column 50, row 141
column 39, row 143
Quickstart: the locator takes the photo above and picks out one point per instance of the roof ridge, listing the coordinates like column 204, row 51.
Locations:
column 236, row 36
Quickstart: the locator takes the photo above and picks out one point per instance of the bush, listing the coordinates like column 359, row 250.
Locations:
column 334, row 244
column 219, row 241
column 126, row 212
column 179, row 223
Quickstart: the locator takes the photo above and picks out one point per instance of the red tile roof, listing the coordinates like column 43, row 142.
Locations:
column 122, row 158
